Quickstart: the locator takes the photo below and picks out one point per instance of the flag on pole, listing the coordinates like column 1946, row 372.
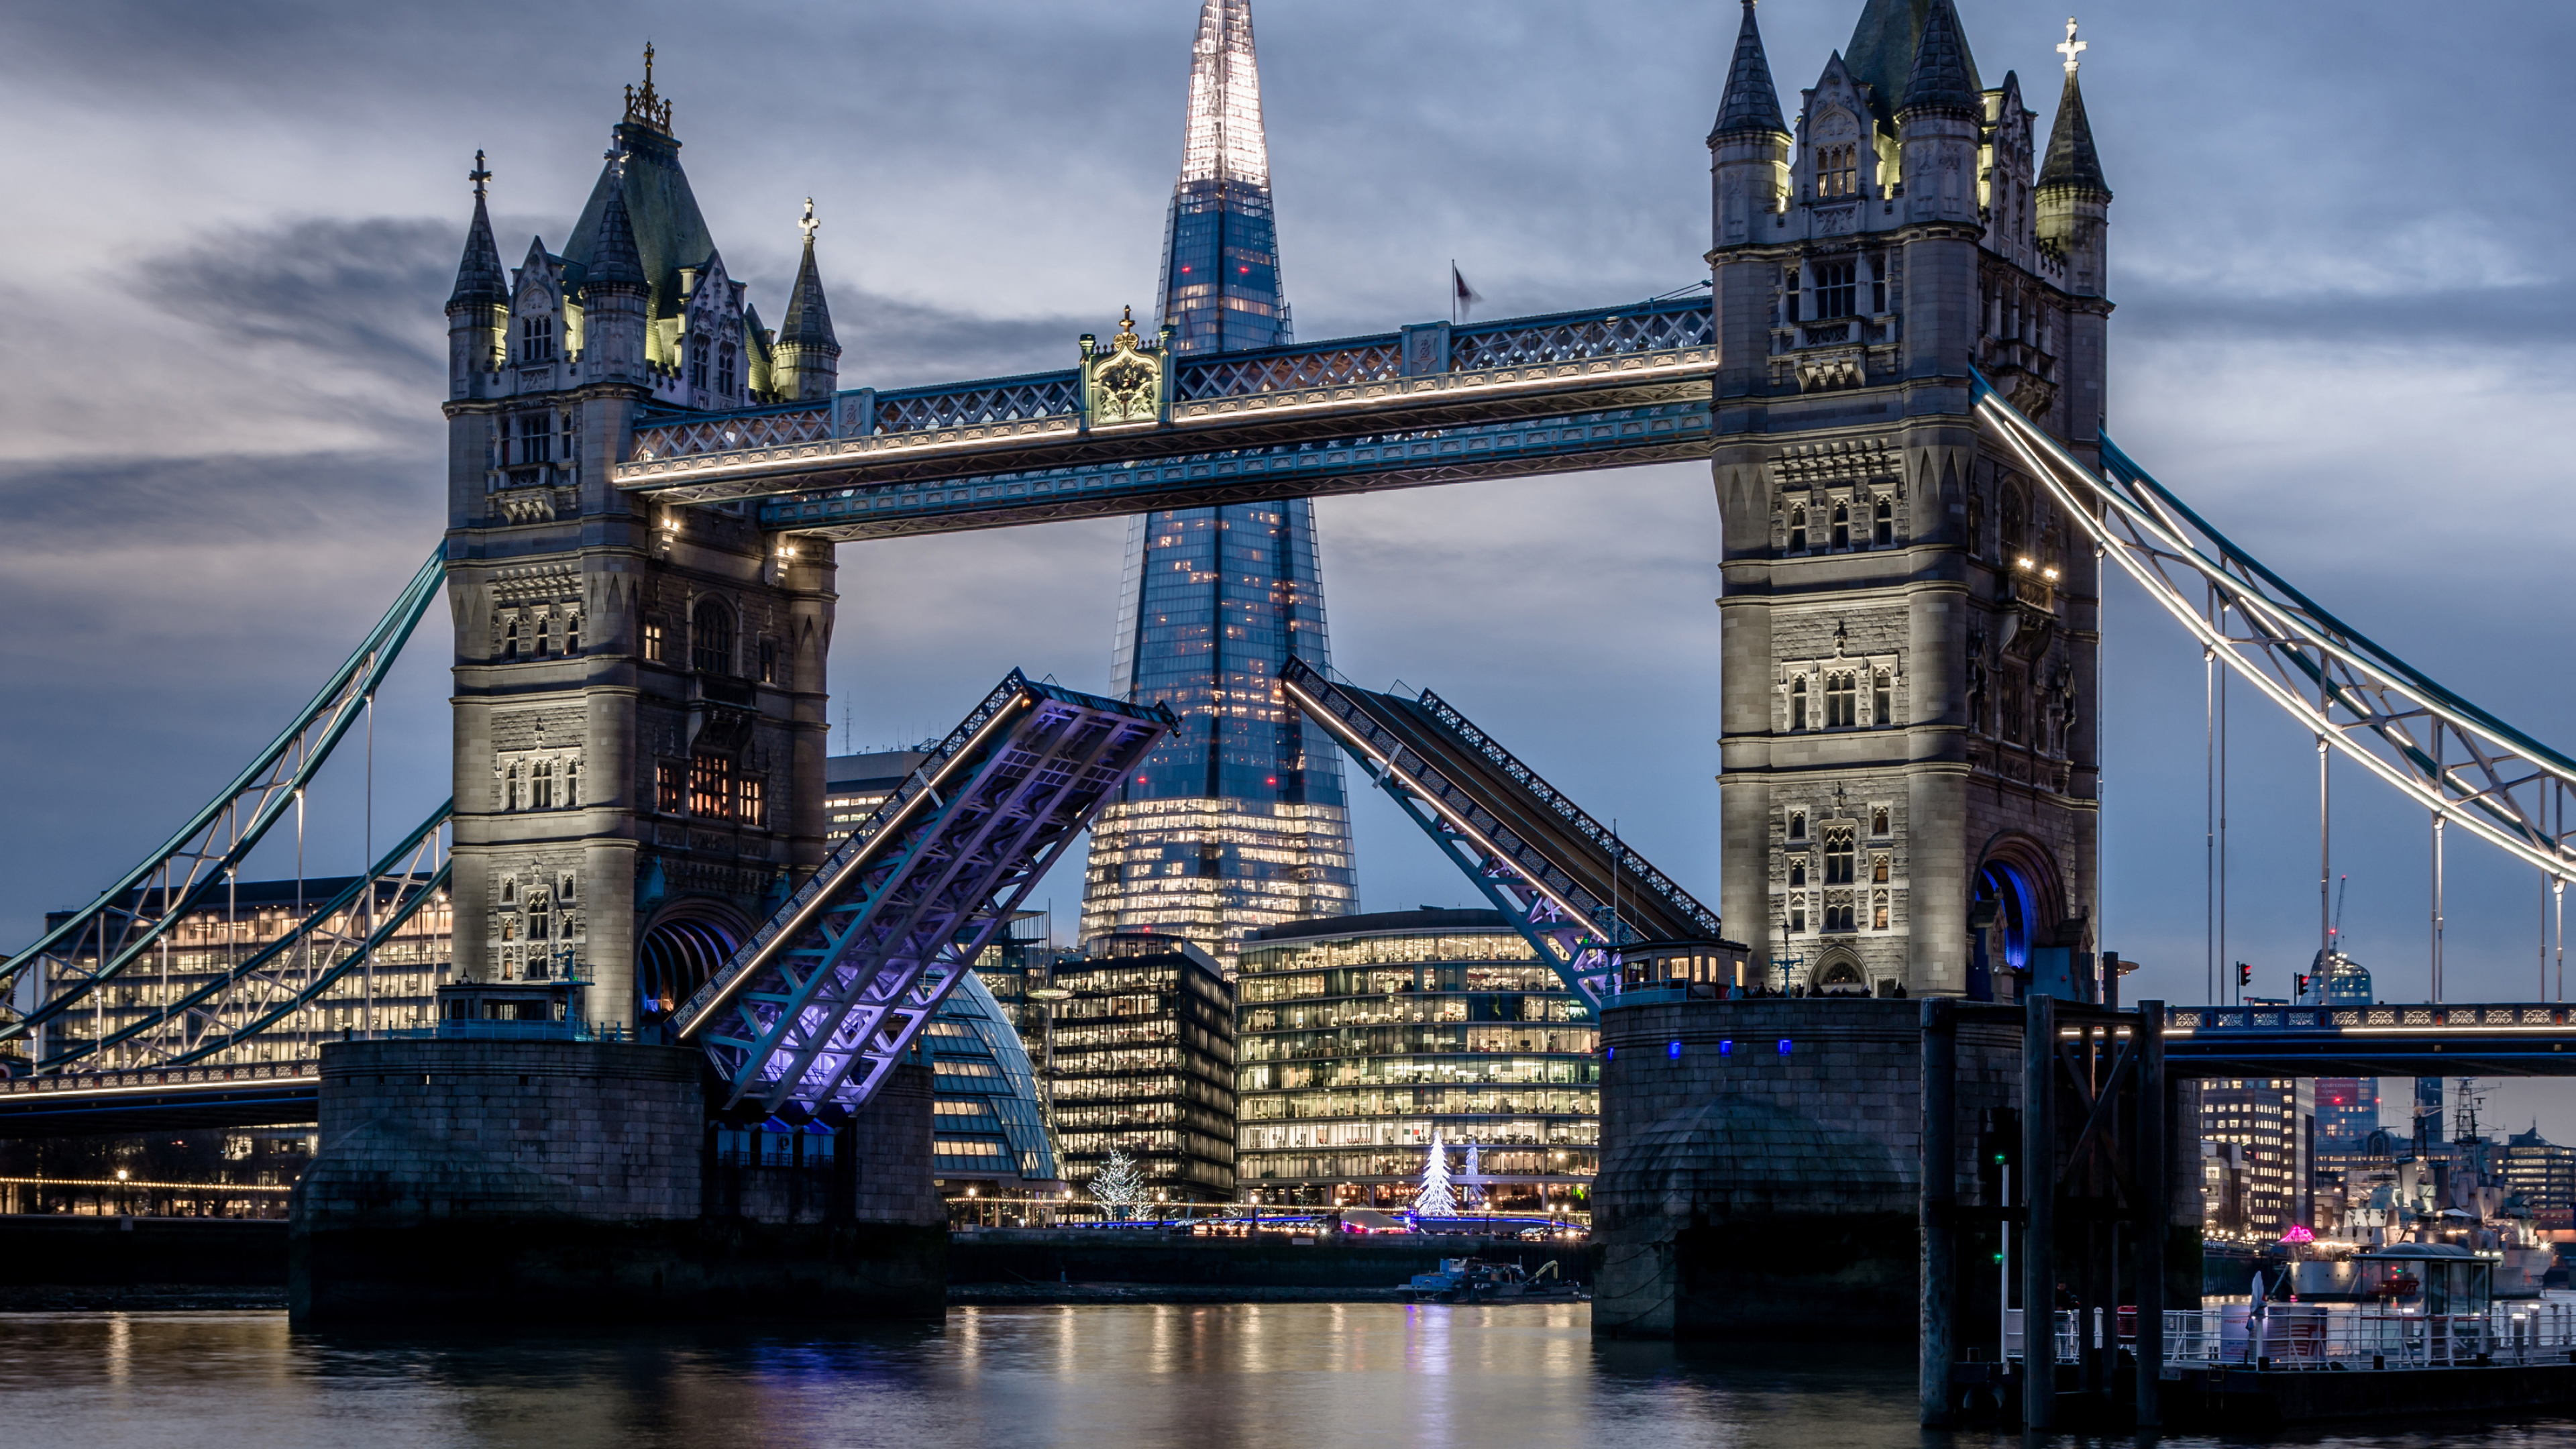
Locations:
column 1461, row 296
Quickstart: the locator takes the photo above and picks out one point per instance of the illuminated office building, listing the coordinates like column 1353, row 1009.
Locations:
column 1357, row 1037
column 1238, row 821
column 1143, row 1063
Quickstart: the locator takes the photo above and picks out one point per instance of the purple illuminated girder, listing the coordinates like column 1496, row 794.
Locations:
column 811, row 1015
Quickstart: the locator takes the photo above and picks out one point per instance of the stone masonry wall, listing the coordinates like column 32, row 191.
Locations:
column 1750, row 1192
column 425, row 1130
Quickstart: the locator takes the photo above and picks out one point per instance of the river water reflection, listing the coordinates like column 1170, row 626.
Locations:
column 1140, row 1377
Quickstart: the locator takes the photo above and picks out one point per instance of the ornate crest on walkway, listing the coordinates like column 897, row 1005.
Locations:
column 1124, row 382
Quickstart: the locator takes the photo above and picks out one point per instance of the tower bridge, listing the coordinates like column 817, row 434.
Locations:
column 1896, row 371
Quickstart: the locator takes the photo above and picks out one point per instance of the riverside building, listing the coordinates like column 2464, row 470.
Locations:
column 2261, row 1131
column 1357, row 1037
column 1143, row 1063
column 1238, row 820
column 242, row 927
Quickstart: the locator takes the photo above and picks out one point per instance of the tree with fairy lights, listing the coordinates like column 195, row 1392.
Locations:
column 1435, row 1199
column 1117, row 1186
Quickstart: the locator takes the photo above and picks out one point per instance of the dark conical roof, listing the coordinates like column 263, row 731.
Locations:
column 479, row 278
column 613, row 257
column 809, row 318
column 1943, row 77
column 662, row 214
column 1752, row 103
column 2071, row 159
column 1883, row 49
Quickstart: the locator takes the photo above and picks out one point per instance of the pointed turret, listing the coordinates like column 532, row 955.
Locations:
column 480, row 281
column 614, row 259
column 2073, row 201
column 1749, row 147
column 2071, row 159
column 806, row 363
column 478, row 311
column 1751, row 102
column 1882, row 50
column 1943, row 76
column 614, row 294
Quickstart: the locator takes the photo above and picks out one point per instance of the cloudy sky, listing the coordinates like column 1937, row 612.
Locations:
column 2343, row 332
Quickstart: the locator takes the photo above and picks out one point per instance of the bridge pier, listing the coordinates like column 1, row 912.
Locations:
column 1760, row 1173
column 479, row 1179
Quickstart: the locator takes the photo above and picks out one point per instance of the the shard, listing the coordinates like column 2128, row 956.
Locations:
column 1238, row 822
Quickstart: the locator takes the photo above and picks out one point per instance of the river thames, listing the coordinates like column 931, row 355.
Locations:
column 1122, row 1377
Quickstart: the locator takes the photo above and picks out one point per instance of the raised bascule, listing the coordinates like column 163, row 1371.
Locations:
column 1896, row 371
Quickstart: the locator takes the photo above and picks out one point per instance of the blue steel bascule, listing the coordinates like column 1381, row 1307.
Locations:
column 648, row 480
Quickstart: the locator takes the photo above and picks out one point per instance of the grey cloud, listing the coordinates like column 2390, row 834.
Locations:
column 2534, row 315
column 362, row 293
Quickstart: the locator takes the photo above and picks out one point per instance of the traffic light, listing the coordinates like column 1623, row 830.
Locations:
column 2244, row 974
column 2303, row 986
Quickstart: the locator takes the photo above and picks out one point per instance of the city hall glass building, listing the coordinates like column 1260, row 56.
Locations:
column 1238, row 821
column 1354, row 1038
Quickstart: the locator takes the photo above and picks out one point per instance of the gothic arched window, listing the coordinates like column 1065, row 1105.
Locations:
column 1882, row 526
column 1798, row 869
column 711, row 638
column 1878, row 821
column 1838, row 857
column 2016, row 525
column 510, row 640
column 1837, row 170
column 724, row 369
column 1842, row 700
column 541, row 785
column 698, row 362
column 1882, row 702
column 1878, row 912
column 1842, row 525
column 1798, row 714
column 1797, row 825
column 1797, row 530
column 1878, row 870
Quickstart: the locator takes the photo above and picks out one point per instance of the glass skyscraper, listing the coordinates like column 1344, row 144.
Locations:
column 1238, row 822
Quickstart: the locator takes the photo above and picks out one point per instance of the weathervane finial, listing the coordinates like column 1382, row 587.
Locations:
column 645, row 106
column 478, row 175
column 809, row 225
column 2072, row 47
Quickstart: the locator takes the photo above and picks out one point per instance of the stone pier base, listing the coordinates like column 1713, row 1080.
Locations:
column 1759, row 1164
column 523, row 1180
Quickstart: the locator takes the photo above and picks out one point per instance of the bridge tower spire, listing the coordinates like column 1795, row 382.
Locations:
column 1911, row 636
column 809, row 355
column 638, row 691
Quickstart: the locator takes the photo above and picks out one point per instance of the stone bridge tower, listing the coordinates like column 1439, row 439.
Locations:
column 1911, row 645
column 639, row 692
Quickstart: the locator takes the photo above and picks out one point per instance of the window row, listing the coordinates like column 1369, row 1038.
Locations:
column 711, row 645
column 1828, row 289
column 1837, row 912
column 1838, row 862
column 1840, row 700
column 710, row 786
column 540, row 785
column 1878, row 822
column 539, row 636
column 1839, row 522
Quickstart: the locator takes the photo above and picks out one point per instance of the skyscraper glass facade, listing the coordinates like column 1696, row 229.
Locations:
column 1238, row 822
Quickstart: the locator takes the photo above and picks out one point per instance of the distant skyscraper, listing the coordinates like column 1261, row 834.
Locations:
column 1238, row 821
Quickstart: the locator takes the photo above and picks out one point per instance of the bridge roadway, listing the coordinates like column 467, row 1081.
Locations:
column 2509, row 1039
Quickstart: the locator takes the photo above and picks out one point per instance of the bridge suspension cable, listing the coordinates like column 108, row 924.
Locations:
column 128, row 919
column 2456, row 759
